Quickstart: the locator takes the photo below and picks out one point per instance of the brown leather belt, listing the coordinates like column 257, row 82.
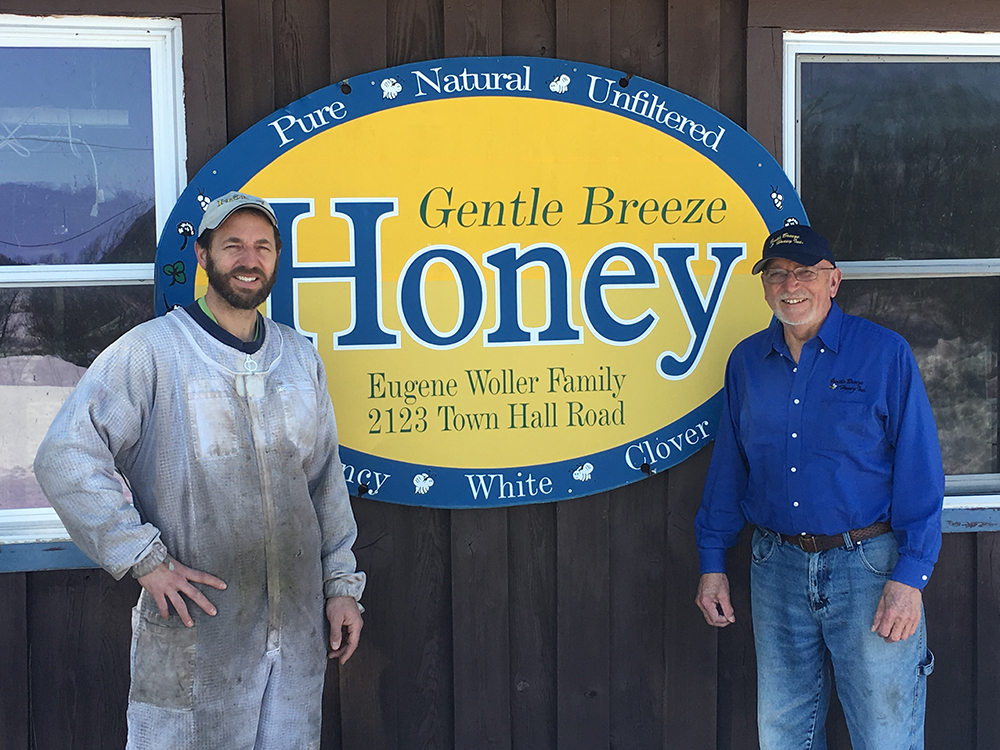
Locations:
column 821, row 542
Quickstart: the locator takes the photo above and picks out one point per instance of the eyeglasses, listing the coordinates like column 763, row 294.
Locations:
column 802, row 274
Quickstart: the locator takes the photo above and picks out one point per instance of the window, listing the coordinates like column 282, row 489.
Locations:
column 893, row 142
column 91, row 143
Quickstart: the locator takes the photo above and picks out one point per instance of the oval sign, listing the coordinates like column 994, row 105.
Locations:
column 524, row 275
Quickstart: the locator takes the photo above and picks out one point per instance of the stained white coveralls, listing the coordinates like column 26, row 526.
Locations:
column 234, row 468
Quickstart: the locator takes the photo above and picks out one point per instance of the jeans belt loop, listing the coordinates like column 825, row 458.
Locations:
column 848, row 542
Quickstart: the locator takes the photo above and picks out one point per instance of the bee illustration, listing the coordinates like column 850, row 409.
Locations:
column 560, row 85
column 583, row 472
column 422, row 484
column 391, row 88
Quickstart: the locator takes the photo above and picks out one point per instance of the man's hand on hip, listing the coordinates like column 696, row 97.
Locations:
column 170, row 579
column 713, row 599
column 345, row 620
column 898, row 612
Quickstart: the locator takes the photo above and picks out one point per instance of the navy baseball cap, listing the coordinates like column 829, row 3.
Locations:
column 797, row 243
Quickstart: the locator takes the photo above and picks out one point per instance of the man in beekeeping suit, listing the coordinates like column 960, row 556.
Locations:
column 221, row 423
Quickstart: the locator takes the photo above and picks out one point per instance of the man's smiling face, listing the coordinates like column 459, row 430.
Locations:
column 242, row 262
column 802, row 305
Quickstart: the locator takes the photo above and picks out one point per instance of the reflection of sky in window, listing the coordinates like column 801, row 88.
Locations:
column 76, row 150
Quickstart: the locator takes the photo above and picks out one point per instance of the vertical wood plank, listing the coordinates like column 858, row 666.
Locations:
column 473, row 27
column 420, row 595
column 301, row 48
column 690, row 697
column 367, row 691
column 249, row 62
column 529, row 28
column 638, row 552
column 480, row 612
column 693, row 52
column 14, row 664
column 480, row 617
column 584, row 623
column 358, row 30
column 79, row 631
column 838, row 736
column 987, row 616
column 763, row 96
column 583, row 31
column 733, row 60
column 950, row 604
column 532, row 586
column 416, row 30
column 204, row 88
column 737, row 690
column 638, row 39
column 397, row 690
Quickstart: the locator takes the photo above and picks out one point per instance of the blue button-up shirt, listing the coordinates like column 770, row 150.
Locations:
column 839, row 441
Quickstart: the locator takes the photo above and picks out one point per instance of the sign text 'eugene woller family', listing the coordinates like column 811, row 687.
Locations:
column 524, row 275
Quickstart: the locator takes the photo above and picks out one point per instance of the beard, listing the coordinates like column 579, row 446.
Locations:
column 241, row 299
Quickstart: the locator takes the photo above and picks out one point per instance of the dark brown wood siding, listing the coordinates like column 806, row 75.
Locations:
column 567, row 626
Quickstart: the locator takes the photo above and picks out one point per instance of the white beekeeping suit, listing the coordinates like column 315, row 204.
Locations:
column 234, row 468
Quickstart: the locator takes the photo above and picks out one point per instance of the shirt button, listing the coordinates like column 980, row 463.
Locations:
column 794, row 470
column 795, row 369
column 924, row 577
column 796, row 401
column 795, row 434
column 821, row 351
column 795, row 504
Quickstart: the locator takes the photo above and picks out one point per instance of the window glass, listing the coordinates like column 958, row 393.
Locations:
column 48, row 337
column 901, row 159
column 76, row 156
column 952, row 327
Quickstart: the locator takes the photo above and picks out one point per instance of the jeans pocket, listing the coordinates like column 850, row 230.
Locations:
column 762, row 546
column 163, row 654
column 879, row 555
column 927, row 665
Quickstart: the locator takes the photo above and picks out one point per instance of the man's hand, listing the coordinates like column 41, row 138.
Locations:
column 344, row 617
column 713, row 599
column 898, row 612
column 170, row 579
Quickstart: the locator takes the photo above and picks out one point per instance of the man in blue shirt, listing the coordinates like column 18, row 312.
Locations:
column 827, row 444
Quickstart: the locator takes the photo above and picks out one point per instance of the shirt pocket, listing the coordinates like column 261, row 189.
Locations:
column 163, row 654
column 847, row 425
column 300, row 405
column 213, row 412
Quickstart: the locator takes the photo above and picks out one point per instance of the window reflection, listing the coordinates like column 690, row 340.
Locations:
column 76, row 156
column 48, row 337
column 902, row 159
column 952, row 327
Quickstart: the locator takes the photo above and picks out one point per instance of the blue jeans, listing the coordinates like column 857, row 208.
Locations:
column 814, row 610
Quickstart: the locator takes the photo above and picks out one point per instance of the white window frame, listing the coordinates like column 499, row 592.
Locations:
column 971, row 500
column 23, row 529
column 162, row 37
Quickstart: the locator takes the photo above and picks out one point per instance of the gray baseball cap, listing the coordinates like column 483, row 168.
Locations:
column 220, row 209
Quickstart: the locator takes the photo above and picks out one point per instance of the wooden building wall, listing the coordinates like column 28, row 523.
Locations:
column 563, row 626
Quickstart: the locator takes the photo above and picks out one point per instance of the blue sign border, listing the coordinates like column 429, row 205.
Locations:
column 741, row 157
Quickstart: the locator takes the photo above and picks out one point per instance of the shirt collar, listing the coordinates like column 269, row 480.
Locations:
column 221, row 334
column 829, row 333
